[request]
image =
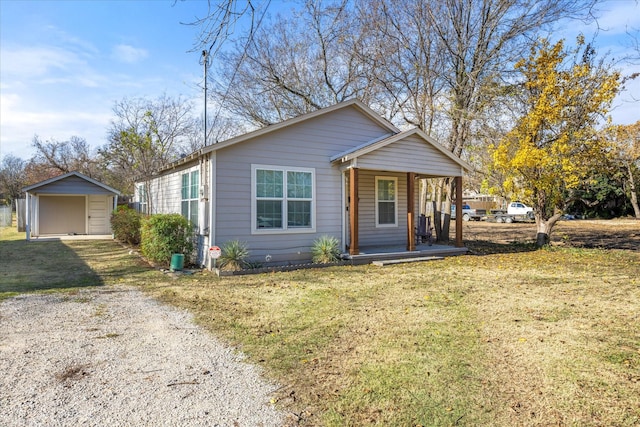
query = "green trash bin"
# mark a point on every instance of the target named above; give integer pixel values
(177, 262)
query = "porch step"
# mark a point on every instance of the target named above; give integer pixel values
(382, 263)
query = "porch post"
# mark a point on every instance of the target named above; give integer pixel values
(459, 212)
(27, 216)
(353, 211)
(411, 243)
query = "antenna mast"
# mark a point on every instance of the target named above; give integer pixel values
(206, 60)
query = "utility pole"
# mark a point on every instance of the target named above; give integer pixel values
(206, 60)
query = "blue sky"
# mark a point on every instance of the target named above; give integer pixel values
(63, 64)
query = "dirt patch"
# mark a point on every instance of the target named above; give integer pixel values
(605, 234)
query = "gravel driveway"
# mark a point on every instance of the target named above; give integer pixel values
(113, 356)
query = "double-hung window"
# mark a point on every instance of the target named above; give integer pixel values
(143, 199)
(283, 199)
(190, 198)
(386, 201)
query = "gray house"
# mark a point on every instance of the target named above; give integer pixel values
(67, 204)
(342, 171)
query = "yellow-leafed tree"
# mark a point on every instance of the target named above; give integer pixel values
(554, 145)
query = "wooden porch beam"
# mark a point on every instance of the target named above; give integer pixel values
(411, 242)
(459, 243)
(353, 212)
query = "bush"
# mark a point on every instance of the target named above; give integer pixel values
(125, 224)
(325, 250)
(164, 235)
(234, 256)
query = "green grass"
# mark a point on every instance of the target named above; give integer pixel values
(512, 336)
(61, 265)
(516, 338)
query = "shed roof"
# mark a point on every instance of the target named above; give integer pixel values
(50, 185)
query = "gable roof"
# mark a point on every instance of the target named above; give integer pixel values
(289, 122)
(375, 117)
(378, 143)
(69, 175)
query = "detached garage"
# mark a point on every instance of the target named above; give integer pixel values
(69, 204)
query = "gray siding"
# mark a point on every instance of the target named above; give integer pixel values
(308, 144)
(411, 154)
(370, 235)
(71, 185)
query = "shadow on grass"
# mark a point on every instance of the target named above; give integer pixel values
(485, 247)
(34, 266)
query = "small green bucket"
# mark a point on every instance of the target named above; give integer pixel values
(177, 262)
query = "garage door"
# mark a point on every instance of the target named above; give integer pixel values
(62, 214)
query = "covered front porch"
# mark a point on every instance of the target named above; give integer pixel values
(381, 182)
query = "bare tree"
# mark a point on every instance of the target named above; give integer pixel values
(464, 49)
(439, 65)
(12, 177)
(219, 22)
(146, 135)
(62, 157)
(295, 66)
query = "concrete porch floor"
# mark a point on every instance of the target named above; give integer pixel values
(369, 254)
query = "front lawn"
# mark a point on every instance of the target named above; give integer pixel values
(508, 336)
(519, 337)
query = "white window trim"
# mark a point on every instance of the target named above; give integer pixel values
(395, 201)
(191, 199)
(143, 199)
(284, 229)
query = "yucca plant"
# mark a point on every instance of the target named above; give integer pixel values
(325, 250)
(234, 256)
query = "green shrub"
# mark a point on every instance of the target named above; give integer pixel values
(164, 235)
(325, 250)
(234, 256)
(125, 224)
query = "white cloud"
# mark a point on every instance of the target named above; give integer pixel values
(618, 17)
(22, 119)
(36, 61)
(34, 65)
(128, 54)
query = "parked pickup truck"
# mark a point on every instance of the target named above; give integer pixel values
(516, 211)
(468, 213)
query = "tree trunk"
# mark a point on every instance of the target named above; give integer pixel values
(442, 210)
(544, 228)
(424, 196)
(634, 193)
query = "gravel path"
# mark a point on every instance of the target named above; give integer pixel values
(113, 356)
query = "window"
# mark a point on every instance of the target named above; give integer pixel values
(283, 199)
(190, 198)
(386, 202)
(142, 197)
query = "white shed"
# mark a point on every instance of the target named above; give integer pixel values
(69, 204)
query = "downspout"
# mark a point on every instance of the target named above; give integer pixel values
(343, 210)
(203, 237)
(212, 203)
